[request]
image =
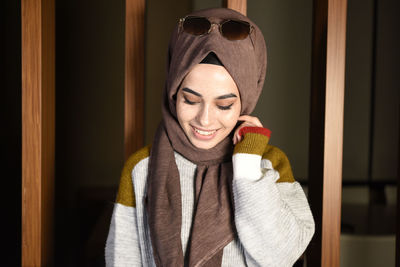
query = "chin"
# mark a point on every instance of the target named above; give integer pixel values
(203, 145)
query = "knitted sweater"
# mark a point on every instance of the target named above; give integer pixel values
(272, 216)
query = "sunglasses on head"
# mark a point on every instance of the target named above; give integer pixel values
(231, 29)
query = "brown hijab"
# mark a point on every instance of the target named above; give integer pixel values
(213, 226)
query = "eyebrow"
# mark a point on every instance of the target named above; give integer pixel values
(191, 91)
(197, 94)
(226, 96)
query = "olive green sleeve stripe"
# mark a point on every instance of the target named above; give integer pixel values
(280, 163)
(126, 194)
(252, 143)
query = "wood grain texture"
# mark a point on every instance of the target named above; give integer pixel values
(38, 130)
(326, 130)
(238, 5)
(134, 75)
(333, 152)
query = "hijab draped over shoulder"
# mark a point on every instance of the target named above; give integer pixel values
(213, 226)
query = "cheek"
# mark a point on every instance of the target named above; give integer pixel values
(184, 112)
(229, 119)
(180, 113)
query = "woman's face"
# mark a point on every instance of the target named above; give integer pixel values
(208, 105)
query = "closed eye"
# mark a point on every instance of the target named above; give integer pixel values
(187, 101)
(225, 107)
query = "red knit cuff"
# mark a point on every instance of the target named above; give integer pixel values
(259, 130)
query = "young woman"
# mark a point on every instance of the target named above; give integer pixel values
(210, 191)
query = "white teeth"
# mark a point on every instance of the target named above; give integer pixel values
(204, 132)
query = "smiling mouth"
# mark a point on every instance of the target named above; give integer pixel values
(204, 132)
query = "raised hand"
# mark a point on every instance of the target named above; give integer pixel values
(248, 121)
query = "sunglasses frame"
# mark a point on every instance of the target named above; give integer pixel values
(251, 27)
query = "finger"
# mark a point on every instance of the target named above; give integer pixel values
(236, 136)
(244, 118)
(254, 121)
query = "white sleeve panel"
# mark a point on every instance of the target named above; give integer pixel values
(246, 166)
(273, 220)
(122, 247)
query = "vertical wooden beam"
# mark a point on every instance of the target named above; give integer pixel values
(134, 75)
(38, 130)
(326, 129)
(238, 5)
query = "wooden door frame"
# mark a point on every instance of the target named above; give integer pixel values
(134, 75)
(38, 130)
(238, 5)
(326, 129)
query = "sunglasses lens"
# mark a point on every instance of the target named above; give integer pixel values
(196, 25)
(235, 30)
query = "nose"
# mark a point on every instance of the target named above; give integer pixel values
(205, 116)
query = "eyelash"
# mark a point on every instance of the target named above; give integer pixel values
(187, 101)
(225, 107)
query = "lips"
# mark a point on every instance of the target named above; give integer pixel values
(203, 134)
(206, 133)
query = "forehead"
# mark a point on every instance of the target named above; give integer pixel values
(210, 79)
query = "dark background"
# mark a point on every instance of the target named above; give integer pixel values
(10, 84)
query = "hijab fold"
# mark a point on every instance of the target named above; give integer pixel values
(213, 224)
